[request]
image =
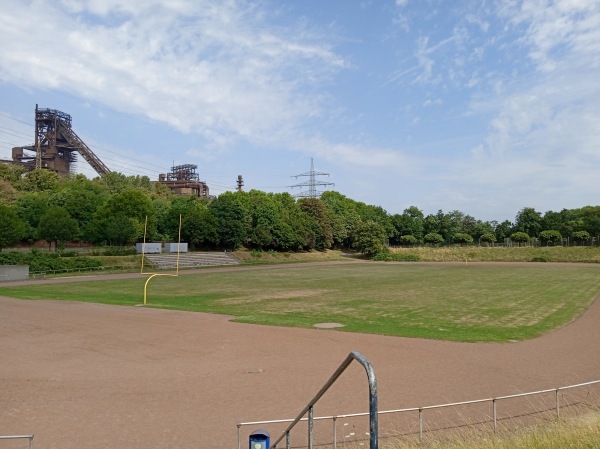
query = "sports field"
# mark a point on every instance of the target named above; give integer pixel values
(80, 374)
(471, 302)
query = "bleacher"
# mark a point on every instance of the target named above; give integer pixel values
(190, 260)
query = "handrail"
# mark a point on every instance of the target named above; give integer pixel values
(420, 409)
(18, 437)
(373, 425)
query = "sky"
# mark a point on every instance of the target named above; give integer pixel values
(485, 107)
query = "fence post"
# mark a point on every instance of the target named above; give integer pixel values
(494, 412)
(334, 432)
(557, 403)
(420, 424)
(311, 443)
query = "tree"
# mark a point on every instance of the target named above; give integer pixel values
(528, 221)
(232, 220)
(433, 238)
(30, 206)
(409, 223)
(488, 237)
(502, 230)
(11, 173)
(133, 210)
(56, 225)
(39, 180)
(343, 216)
(199, 227)
(550, 236)
(444, 224)
(80, 197)
(590, 217)
(463, 239)
(320, 233)
(369, 238)
(8, 194)
(12, 228)
(291, 230)
(581, 236)
(519, 237)
(119, 230)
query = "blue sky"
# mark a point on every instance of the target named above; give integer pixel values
(480, 106)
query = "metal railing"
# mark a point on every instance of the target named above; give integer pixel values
(494, 401)
(373, 427)
(18, 437)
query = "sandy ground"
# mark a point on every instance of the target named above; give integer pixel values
(95, 376)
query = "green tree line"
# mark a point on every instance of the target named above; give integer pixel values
(117, 210)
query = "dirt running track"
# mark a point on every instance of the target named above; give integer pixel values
(90, 376)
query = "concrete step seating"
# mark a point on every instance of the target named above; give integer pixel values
(190, 260)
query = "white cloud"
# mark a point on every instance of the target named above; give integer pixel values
(202, 66)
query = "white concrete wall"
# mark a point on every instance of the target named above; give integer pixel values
(14, 272)
(148, 248)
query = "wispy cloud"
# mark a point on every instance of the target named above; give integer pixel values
(202, 66)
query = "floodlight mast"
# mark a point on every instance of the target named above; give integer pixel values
(312, 183)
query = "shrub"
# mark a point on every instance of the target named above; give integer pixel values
(488, 237)
(120, 251)
(433, 238)
(408, 240)
(519, 237)
(550, 236)
(463, 239)
(581, 236)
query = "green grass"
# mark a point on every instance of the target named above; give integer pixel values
(460, 303)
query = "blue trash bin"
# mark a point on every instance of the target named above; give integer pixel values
(259, 439)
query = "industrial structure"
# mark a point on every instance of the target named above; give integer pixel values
(55, 146)
(312, 183)
(183, 180)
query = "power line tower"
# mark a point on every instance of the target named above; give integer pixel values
(312, 183)
(240, 183)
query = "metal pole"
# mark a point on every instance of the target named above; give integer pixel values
(238, 433)
(334, 432)
(557, 403)
(494, 412)
(311, 442)
(420, 424)
(287, 440)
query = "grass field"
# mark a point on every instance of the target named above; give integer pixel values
(460, 303)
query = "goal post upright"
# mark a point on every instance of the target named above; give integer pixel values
(152, 275)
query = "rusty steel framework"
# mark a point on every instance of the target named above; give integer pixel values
(183, 180)
(56, 145)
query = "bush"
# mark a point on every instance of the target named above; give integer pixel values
(581, 236)
(488, 237)
(120, 251)
(433, 239)
(463, 239)
(519, 237)
(38, 261)
(408, 240)
(550, 236)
